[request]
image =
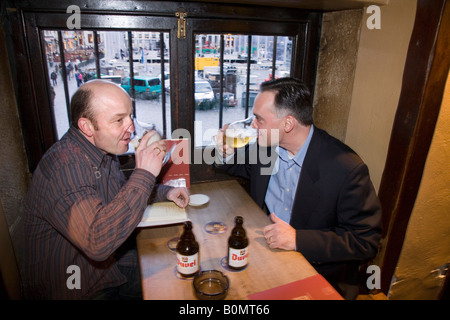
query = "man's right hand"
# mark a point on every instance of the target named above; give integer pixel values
(150, 157)
(221, 146)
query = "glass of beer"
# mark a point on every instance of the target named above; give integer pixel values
(140, 129)
(239, 133)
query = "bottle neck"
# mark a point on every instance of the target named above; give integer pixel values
(238, 232)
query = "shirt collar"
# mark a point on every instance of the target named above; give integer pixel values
(300, 156)
(92, 152)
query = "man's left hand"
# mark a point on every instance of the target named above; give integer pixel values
(280, 234)
(179, 195)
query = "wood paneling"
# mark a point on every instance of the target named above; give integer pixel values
(424, 79)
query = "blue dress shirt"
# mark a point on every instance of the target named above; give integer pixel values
(283, 184)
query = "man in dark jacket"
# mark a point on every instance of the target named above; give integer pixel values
(317, 190)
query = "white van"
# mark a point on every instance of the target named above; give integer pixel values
(166, 81)
(204, 95)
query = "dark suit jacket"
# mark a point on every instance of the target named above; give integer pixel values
(336, 211)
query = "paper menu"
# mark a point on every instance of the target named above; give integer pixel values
(311, 288)
(176, 171)
(162, 213)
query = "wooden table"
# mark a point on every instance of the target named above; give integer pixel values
(267, 268)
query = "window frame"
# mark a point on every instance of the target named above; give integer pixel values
(34, 96)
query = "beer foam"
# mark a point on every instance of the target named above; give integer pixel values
(136, 140)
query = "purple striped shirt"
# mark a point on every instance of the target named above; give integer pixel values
(78, 211)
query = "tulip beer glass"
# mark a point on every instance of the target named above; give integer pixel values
(239, 133)
(140, 129)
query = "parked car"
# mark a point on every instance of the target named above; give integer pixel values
(204, 95)
(251, 98)
(228, 99)
(145, 87)
(87, 76)
(166, 81)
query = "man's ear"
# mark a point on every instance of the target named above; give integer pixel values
(85, 125)
(289, 123)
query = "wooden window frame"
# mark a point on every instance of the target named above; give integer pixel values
(34, 95)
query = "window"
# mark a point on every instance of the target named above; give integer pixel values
(239, 59)
(110, 60)
(211, 73)
(154, 82)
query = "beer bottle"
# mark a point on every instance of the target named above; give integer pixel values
(238, 246)
(187, 252)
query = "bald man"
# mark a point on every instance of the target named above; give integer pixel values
(80, 211)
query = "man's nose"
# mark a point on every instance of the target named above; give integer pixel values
(131, 126)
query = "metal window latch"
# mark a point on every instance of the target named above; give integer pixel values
(181, 15)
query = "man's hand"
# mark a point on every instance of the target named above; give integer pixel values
(224, 149)
(280, 234)
(179, 195)
(150, 157)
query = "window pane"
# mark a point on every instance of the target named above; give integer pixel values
(244, 57)
(147, 78)
(54, 69)
(283, 60)
(75, 52)
(114, 65)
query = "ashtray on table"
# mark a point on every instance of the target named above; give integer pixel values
(211, 285)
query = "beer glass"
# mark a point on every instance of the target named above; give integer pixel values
(239, 133)
(140, 129)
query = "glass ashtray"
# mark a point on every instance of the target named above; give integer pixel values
(211, 285)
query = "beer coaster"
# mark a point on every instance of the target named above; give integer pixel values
(172, 244)
(224, 264)
(215, 227)
(198, 200)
